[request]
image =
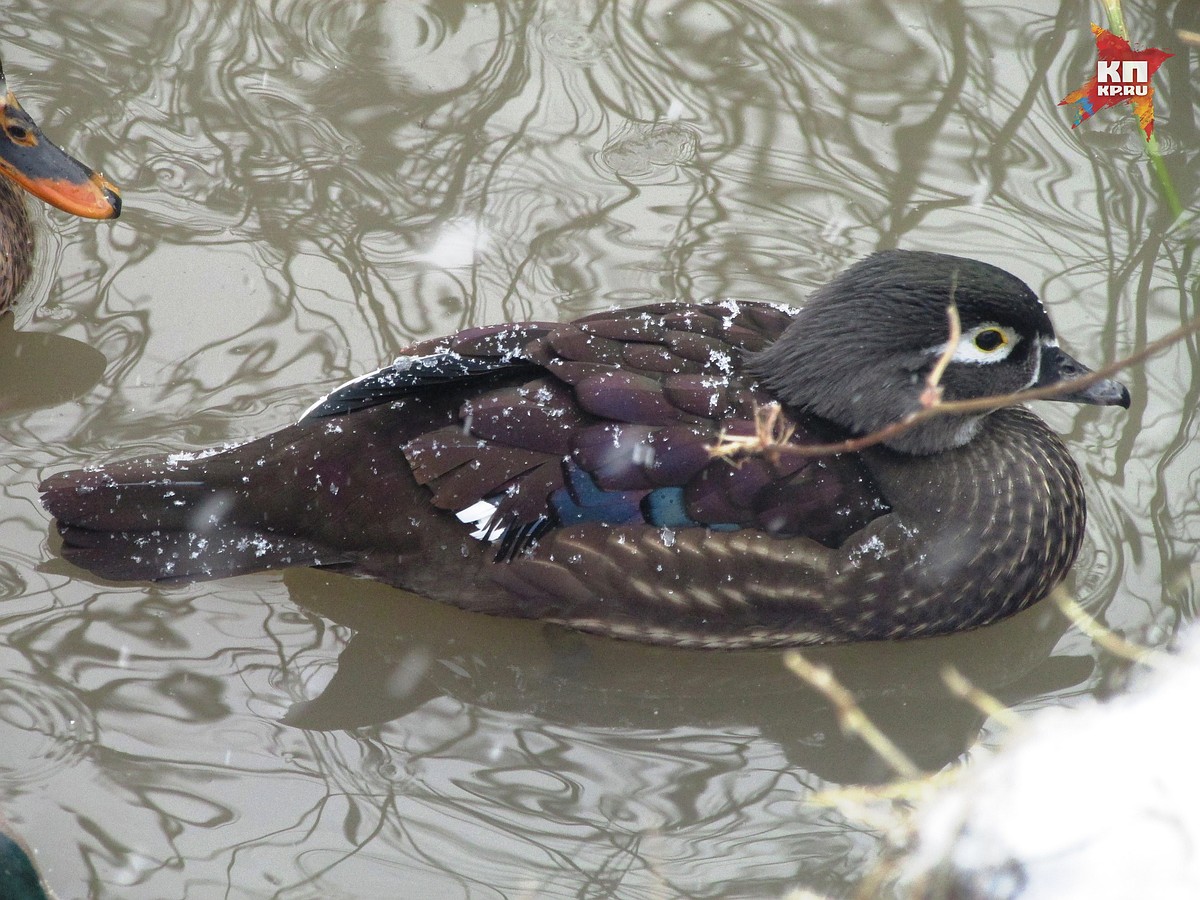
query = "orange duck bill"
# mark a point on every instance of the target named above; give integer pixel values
(41, 167)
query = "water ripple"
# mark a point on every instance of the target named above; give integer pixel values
(47, 729)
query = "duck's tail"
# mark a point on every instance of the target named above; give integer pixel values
(183, 517)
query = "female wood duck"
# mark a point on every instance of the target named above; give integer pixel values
(563, 472)
(31, 162)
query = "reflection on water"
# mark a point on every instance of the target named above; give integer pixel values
(309, 187)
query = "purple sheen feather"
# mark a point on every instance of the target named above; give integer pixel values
(653, 358)
(623, 326)
(626, 397)
(635, 457)
(679, 453)
(742, 483)
(700, 395)
(785, 465)
(745, 400)
(539, 351)
(771, 322)
(574, 373)
(706, 500)
(738, 316)
(739, 427)
(744, 339)
(185, 554)
(785, 510)
(693, 320)
(502, 341)
(613, 455)
(714, 353)
(539, 415)
(576, 344)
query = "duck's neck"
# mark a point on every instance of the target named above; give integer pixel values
(16, 243)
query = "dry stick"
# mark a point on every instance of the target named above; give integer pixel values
(962, 687)
(932, 395)
(850, 715)
(772, 431)
(979, 404)
(910, 790)
(1106, 638)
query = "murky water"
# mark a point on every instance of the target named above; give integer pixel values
(310, 186)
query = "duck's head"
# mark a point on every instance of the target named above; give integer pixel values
(33, 161)
(860, 350)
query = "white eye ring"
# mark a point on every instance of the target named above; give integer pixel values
(969, 351)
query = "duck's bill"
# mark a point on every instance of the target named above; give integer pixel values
(38, 165)
(1058, 367)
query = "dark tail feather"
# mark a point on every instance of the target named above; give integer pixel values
(158, 555)
(137, 496)
(161, 519)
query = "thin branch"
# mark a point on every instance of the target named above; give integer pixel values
(850, 715)
(772, 431)
(932, 395)
(978, 404)
(1105, 637)
(965, 689)
(911, 790)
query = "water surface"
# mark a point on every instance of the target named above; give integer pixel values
(311, 186)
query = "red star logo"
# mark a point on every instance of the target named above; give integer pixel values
(1122, 73)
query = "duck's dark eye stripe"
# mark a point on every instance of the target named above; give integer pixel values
(990, 339)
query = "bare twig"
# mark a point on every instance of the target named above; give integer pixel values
(899, 791)
(962, 687)
(932, 395)
(1105, 637)
(850, 715)
(978, 404)
(772, 431)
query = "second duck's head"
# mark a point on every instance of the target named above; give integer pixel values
(860, 350)
(45, 170)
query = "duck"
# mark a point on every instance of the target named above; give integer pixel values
(31, 163)
(565, 472)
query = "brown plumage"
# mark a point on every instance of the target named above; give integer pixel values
(31, 162)
(16, 243)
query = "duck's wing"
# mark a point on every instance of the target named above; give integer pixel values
(620, 428)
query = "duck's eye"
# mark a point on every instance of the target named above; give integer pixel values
(990, 339)
(19, 134)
